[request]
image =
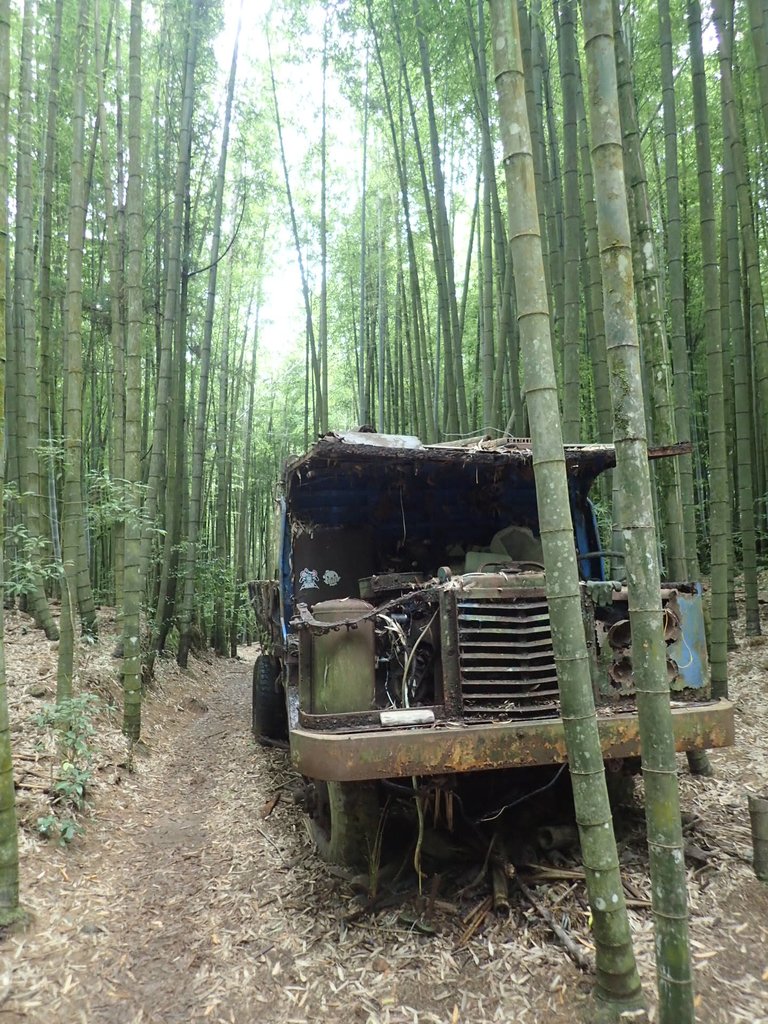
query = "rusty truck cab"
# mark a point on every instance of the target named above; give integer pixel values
(411, 626)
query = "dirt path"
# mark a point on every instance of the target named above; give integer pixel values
(184, 904)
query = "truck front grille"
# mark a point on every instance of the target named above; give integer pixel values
(506, 660)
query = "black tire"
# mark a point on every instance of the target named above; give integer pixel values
(269, 713)
(345, 822)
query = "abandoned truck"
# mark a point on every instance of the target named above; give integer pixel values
(407, 635)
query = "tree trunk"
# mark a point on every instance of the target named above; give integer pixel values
(758, 23)
(571, 225)
(735, 135)
(420, 363)
(157, 466)
(116, 298)
(652, 318)
(73, 519)
(176, 460)
(23, 404)
(220, 524)
(617, 978)
(680, 368)
(443, 231)
(594, 286)
(323, 325)
(719, 509)
(635, 517)
(550, 166)
(451, 419)
(362, 397)
(9, 842)
(382, 318)
(312, 357)
(743, 405)
(485, 280)
(241, 554)
(196, 479)
(133, 585)
(47, 396)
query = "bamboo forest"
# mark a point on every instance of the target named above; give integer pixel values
(384, 527)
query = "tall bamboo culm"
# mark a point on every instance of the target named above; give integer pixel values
(635, 519)
(9, 846)
(617, 983)
(133, 583)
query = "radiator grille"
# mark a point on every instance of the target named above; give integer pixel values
(506, 660)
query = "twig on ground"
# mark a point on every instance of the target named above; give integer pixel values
(271, 842)
(579, 958)
(473, 920)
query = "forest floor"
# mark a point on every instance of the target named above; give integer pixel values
(195, 895)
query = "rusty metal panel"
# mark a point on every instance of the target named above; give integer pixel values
(498, 584)
(359, 719)
(689, 650)
(305, 668)
(506, 659)
(343, 660)
(683, 623)
(448, 748)
(449, 644)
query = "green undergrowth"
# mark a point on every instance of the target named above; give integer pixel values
(68, 728)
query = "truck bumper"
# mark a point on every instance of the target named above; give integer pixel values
(449, 748)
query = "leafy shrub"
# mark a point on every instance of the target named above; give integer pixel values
(70, 724)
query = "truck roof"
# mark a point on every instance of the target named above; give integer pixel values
(366, 448)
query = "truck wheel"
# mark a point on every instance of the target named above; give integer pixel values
(269, 715)
(345, 821)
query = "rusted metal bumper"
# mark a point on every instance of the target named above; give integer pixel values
(448, 748)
